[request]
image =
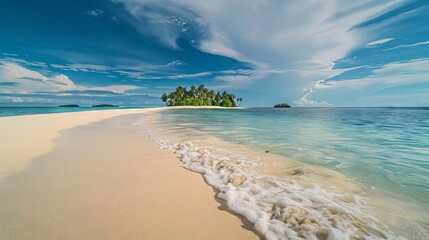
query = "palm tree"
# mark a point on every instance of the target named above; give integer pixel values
(180, 93)
(202, 92)
(193, 92)
(164, 97)
(218, 98)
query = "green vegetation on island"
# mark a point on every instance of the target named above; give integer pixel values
(199, 96)
(105, 105)
(69, 105)
(282, 105)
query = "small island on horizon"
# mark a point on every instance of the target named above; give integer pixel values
(76, 106)
(282, 105)
(199, 96)
(105, 105)
(69, 105)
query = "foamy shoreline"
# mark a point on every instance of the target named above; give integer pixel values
(283, 198)
(91, 175)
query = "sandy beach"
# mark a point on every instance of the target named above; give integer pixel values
(95, 175)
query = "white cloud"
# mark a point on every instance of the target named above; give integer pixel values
(126, 67)
(22, 61)
(10, 54)
(83, 67)
(408, 45)
(95, 13)
(305, 102)
(30, 81)
(391, 74)
(305, 37)
(13, 99)
(398, 79)
(378, 42)
(162, 21)
(177, 62)
(181, 76)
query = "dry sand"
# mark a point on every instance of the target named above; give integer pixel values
(63, 177)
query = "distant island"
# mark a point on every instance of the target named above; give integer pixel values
(105, 105)
(199, 96)
(69, 105)
(282, 105)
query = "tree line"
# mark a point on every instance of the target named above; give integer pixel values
(199, 96)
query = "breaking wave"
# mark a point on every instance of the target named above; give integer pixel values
(279, 208)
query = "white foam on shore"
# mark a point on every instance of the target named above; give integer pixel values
(278, 208)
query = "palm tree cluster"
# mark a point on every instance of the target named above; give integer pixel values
(199, 96)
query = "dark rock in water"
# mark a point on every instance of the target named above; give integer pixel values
(69, 105)
(282, 105)
(267, 151)
(105, 105)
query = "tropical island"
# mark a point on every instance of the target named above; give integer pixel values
(199, 96)
(69, 105)
(282, 105)
(105, 105)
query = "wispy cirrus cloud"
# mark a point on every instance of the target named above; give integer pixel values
(391, 74)
(408, 45)
(142, 76)
(282, 41)
(271, 34)
(95, 13)
(12, 99)
(10, 54)
(177, 62)
(378, 42)
(14, 58)
(131, 69)
(82, 67)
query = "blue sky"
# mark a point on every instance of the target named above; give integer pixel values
(128, 52)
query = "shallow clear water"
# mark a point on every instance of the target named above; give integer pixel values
(386, 149)
(17, 111)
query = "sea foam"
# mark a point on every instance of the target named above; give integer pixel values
(279, 208)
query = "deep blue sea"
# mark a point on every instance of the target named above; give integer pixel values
(384, 148)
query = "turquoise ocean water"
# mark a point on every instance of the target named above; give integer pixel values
(383, 148)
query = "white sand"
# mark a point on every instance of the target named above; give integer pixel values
(104, 180)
